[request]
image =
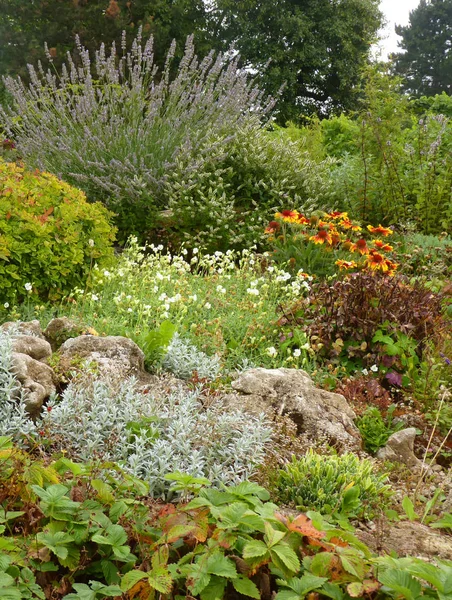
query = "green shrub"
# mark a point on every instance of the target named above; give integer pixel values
(182, 153)
(375, 430)
(50, 236)
(332, 484)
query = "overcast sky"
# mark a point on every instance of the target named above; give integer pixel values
(395, 11)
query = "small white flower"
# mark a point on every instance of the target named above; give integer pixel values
(6, 305)
(129, 310)
(162, 297)
(94, 298)
(28, 287)
(107, 273)
(252, 291)
(272, 351)
(365, 372)
(221, 289)
(207, 305)
(159, 276)
(297, 352)
(91, 243)
(374, 368)
(195, 250)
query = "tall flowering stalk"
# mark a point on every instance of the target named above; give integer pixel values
(117, 127)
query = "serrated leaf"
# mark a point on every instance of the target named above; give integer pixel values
(215, 589)
(246, 587)
(401, 582)
(254, 549)
(114, 536)
(287, 557)
(160, 579)
(131, 578)
(218, 564)
(110, 571)
(104, 491)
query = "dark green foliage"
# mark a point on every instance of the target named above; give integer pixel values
(316, 48)
(426, 64)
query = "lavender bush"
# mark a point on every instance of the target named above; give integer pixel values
(144, 141)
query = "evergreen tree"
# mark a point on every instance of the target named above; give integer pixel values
(426, 64)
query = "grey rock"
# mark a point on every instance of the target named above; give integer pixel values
(409, 538)
(316, 413)
(61, 329)
(112, 357)
(36, 347)
(24, 328)
(36, 380)
(400, 448)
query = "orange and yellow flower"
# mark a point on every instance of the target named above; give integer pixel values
(272, 227)
(346, 264)
(376, 261)
(347, 224)
(380, 230)
(338, 215)
(383, 246)
(360, 246)
(321, 237)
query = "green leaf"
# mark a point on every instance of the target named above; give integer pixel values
(246, 587)
(104, 491)
(115, 535)
(218, 564)
(401, 582)
(408, 507)
(56, 542)
(287, 557)
(254, 549)
(215, 589)
(273, 536)
(160, 579)
(131, 578)
(110, 571)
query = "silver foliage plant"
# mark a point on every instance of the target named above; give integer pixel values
(183, 358)
(171, 432)
(119, 126)
(14, 419)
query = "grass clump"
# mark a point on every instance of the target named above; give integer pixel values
(332, 484)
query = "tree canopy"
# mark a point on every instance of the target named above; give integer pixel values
(426, 63)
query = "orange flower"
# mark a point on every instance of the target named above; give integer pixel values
(338, 215)
(347, 224)
(272, 227)
(321, 237)
(383, 246)
(288, 216)
(377, 261)
(392, 266)
(380, 230)
(335, 238)
(360, 246)
(302, 220)
(346, 264)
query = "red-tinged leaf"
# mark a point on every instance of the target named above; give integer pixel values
(167, 509)
(8, 216)
(357, 589)
(304, 526)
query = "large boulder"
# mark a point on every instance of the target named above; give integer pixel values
(36, 380)
(61, 329)
(400, 448)
(24, 328)
(36, 347)
(316, 412)
(110, 357)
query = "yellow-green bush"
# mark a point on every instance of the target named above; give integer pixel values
(50, 236)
